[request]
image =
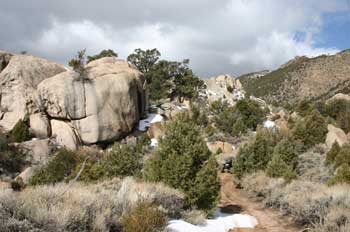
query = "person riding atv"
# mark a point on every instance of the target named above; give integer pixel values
(227, 166)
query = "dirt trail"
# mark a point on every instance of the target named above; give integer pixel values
(269, 220)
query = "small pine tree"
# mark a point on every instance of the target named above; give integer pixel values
(179, 158)
(312, 130)
(122, 160)
(277, 167)
(333, 152)
(78, 63)
(287, 150)
(207, 186)
(20, 132)
(343, 157)
(59, 168)
(239, 127)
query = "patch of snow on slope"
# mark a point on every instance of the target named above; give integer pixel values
(146, 123)
(269, 124)
(220, 224)
(154, 142)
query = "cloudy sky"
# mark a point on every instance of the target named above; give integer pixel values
(218, 36)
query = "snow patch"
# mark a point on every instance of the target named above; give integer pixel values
(220, 224)
(269, 124)
(146, 123)
(154, 142)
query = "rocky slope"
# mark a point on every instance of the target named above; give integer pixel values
(303, 78)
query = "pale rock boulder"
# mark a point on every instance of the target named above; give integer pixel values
(335, 134)
(100, 107)
(26, 174)
(339, 96)
(64, 134)
(40, 125)
(18, 83)
(37, 151)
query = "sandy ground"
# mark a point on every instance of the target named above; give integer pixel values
(269, 220)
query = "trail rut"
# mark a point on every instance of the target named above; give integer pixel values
(237, 200)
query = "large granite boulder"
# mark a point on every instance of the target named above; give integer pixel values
(19, 78)
(37, 151)
(103, 105)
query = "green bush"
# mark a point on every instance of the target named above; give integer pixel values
(199, 115)
(288, 151)
(343, 157)
(59, 168)
(122, 160)
(20, 132)
(255, 156)
(235, 120)
(103, 53)
(17, 184)
(332, 153)
(207, 186)
(342, 175)
(311, 130)
(180, 161)
(166, 78)
(77, 64)
(277, 167)
(229, 88)
(144, 217)
(12, 160)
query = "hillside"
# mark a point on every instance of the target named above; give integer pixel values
(303, 78)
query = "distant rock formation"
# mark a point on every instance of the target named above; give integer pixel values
(101, 106)
(224, 87)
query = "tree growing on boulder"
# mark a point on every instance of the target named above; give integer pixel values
(103, 53)
(77, 64)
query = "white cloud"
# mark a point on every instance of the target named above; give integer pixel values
(234, 36)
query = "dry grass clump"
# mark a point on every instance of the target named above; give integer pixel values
(325, 208)
(195, 217)
(260, 185)
(144, 217)
(84, 207)
(169, 199)
(312, 166)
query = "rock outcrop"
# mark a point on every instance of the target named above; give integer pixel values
(339, 96)
(224, 87)
(101, 106)
(335, 134)
(19, 79)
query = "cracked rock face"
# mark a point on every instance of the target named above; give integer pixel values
(100, 107)
(19, 78)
